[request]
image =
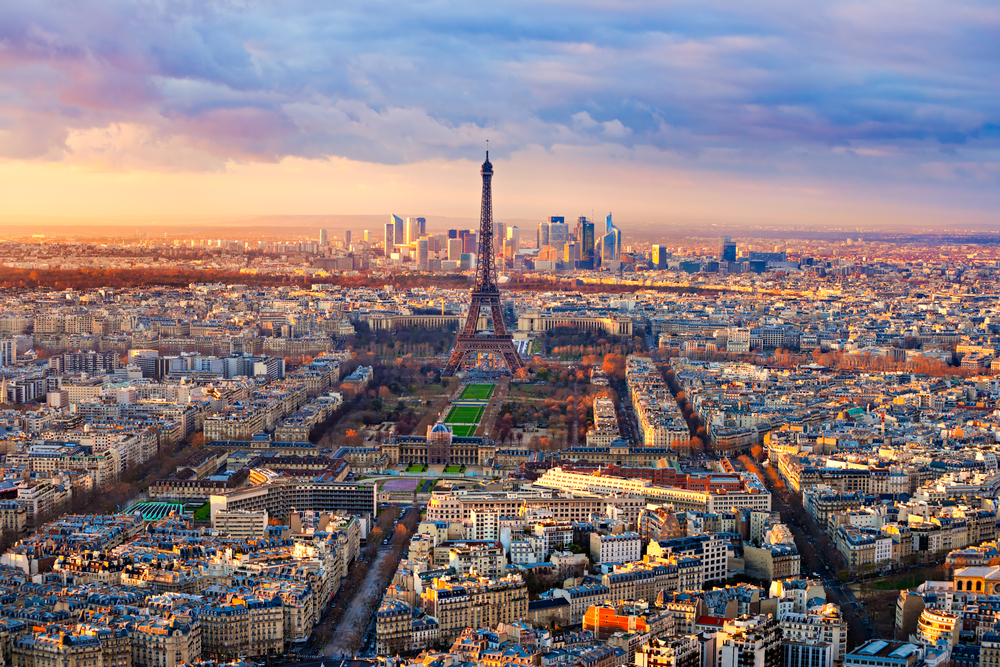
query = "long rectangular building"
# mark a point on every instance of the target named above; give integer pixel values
(445, 506)
(753, 494)
(279, 498)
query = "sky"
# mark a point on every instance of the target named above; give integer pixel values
(875, 113)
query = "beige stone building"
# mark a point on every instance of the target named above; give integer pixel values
(165, 642)
(242, 626)
(457, 603)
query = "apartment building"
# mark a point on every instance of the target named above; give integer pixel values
(711, 550)
(460, 602)
(242, 626)
(749, 641)
(683, 651)
(616, 548)
(165, 642)
(240, 523)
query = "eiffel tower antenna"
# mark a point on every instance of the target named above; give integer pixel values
(485, 295)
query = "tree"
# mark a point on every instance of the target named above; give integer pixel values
(614, 366)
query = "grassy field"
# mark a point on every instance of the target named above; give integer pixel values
(465, 414)
(464, 430)
(454, 469)
(202, 513)
(477, 392)
(417, 467)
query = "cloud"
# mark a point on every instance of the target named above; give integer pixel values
(767, 88)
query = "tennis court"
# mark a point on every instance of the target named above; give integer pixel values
(477, 392)
(464, 430)
(465, 414)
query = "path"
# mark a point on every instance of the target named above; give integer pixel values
(349, 635)
(359, 614)
(488, 420)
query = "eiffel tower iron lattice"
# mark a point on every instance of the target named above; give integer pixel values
(485, 296)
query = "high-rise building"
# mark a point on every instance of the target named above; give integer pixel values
(399, 237)
(422, 253)
(423, 225)
(390, 237)
(412, 231)
(660, 257)
(8, 355)
(469, 243)
(367, 239)
(499, 234)
(727, 250)
(455, 250)
(585, 237)
(558, 235)
(608, 248)
(323, 238)
(542, 235)
(571, 253)
(453, 233)
(347, 238)
(611, 229)
(514, 236)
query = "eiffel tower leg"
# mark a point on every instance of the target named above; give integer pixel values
(472, 320)
(499, 326)
(455, 362)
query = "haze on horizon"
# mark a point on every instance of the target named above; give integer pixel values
(852, 114)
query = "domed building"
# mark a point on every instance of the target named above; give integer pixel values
(439, 438)
(439, 447)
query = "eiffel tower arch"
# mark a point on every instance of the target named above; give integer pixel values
(485, 296)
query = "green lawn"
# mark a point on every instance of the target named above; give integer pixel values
(477, 392)
(417, 467)
(464, 430)
(465, 414)
(454, 469)
(202, 513)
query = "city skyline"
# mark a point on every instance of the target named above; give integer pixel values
(868, 116)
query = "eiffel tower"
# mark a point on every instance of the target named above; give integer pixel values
(485, 296)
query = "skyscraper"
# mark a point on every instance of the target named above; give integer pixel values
(514, 236)
(423, 225)
(347, 238)
(390, 237)
(542, 235)
(367, 239)
(727, 250)
(499, 234)
(323, 238)
(453, 233)
(412, 230)
(659, 257)
(608, 248)
(610, 243)
(585, 237)
(455, 250)
(558, 235)
(469, 243)
(399, 236)
(571, 253)
(422, 253)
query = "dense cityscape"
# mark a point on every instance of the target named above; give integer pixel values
(563, 447)
(523, 334)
